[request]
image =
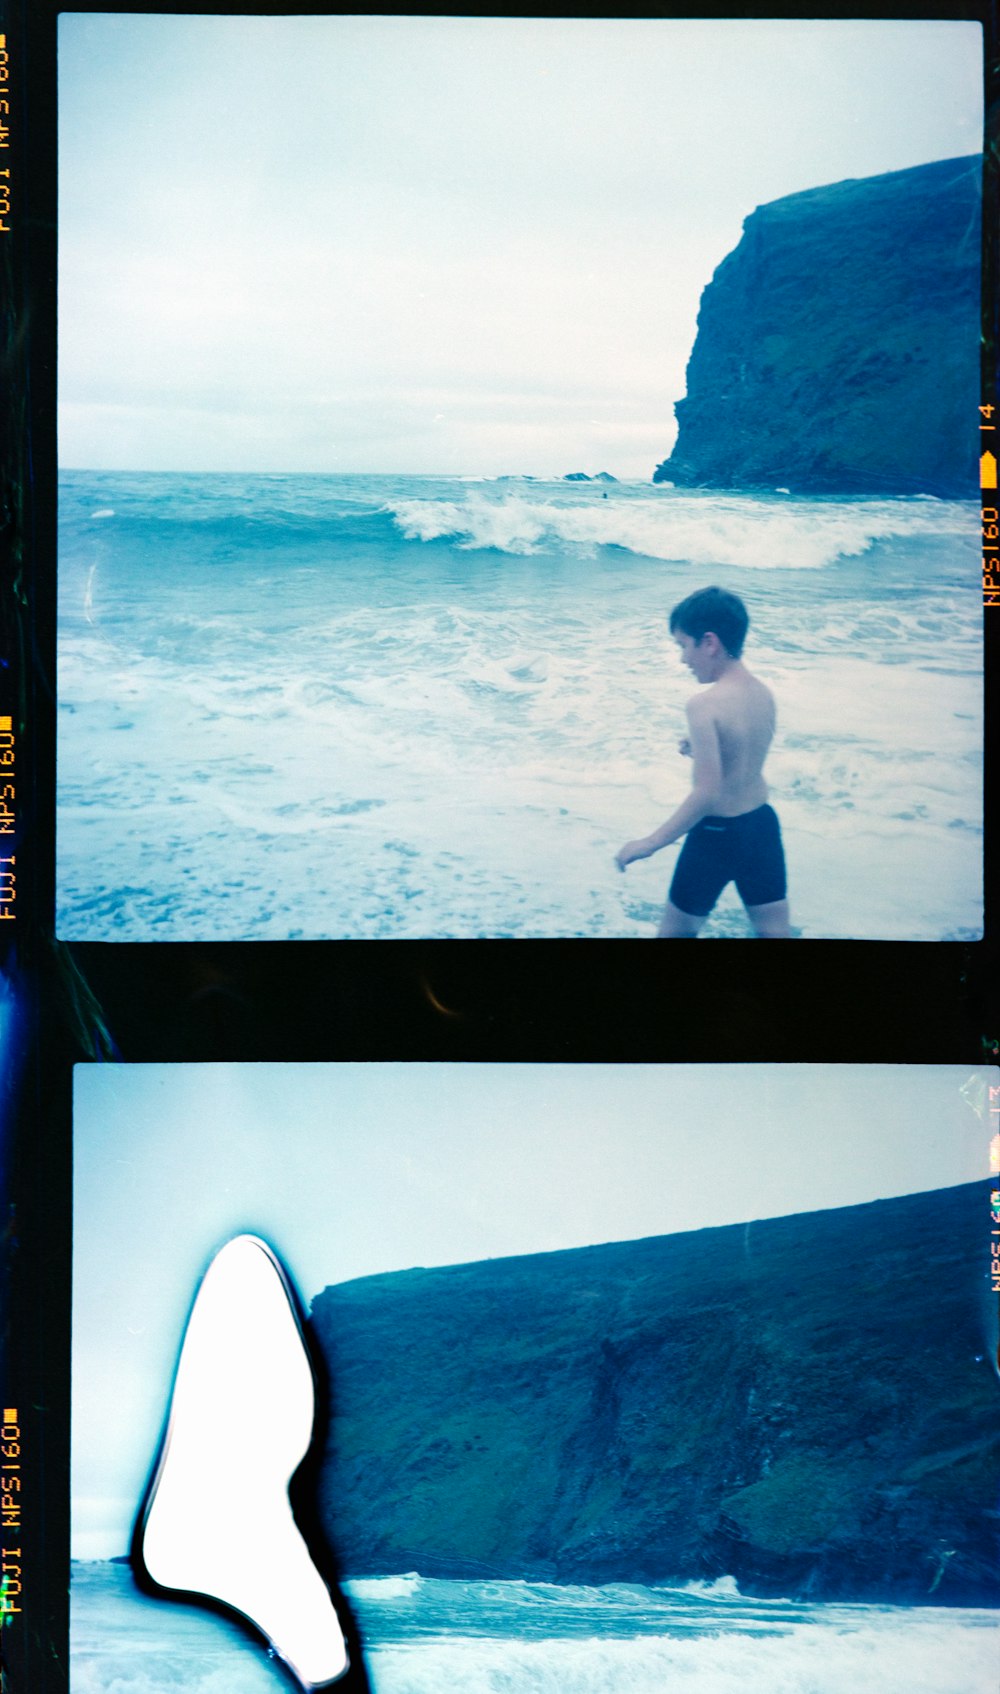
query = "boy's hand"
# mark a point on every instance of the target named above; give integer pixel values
(684, 747)
(631, 850)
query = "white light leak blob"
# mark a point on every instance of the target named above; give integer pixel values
(219, 1520)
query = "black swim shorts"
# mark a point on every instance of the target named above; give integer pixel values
(746, 850)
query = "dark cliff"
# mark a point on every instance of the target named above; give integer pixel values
(806, 1403)
(838, 345)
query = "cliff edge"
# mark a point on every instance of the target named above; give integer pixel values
(837, 349)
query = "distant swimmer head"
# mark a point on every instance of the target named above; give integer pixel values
(711, 612)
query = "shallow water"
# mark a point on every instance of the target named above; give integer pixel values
(397, 706)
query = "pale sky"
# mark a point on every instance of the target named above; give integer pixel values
(349, 1170)
(457, 245)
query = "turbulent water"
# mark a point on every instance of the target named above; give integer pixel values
(429, 1637)
(321, 707)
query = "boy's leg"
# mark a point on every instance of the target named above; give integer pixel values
(761, 876)
(771, 922)
(676, 925)
(700, 875)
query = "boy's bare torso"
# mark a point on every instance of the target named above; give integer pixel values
(743, 713)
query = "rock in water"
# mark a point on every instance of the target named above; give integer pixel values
(805, 1403)
(838, 345)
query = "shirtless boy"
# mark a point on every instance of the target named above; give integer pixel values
(732, 833)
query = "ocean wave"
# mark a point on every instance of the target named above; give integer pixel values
(702, 531)
(383, 1587)
(723, 1588)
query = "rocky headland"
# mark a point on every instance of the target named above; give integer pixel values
(808, 1404)
(837, 349)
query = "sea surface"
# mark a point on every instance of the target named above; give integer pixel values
(393, 706)
(432, 1637)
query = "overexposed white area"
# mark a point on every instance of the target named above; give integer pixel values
(219, 1521)
(239, 1425)
(351, 1170)
(435, 244)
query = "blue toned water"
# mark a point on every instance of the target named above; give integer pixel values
(431, 1637)
(319, 707)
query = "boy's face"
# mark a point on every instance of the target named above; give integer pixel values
(700, 655)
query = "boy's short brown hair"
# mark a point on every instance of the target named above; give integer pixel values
(713, 609)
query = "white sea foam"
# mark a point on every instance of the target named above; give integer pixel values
(383, 1587)
(940, 1658)
(754, 534)
(723, 1588)
(904, 1662)
(129, 1675)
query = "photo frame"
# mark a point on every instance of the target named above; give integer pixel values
(422, 1000)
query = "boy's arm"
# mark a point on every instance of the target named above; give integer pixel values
(706, 780)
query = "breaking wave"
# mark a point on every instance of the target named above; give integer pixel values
(699, 529)
(382, 1587)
